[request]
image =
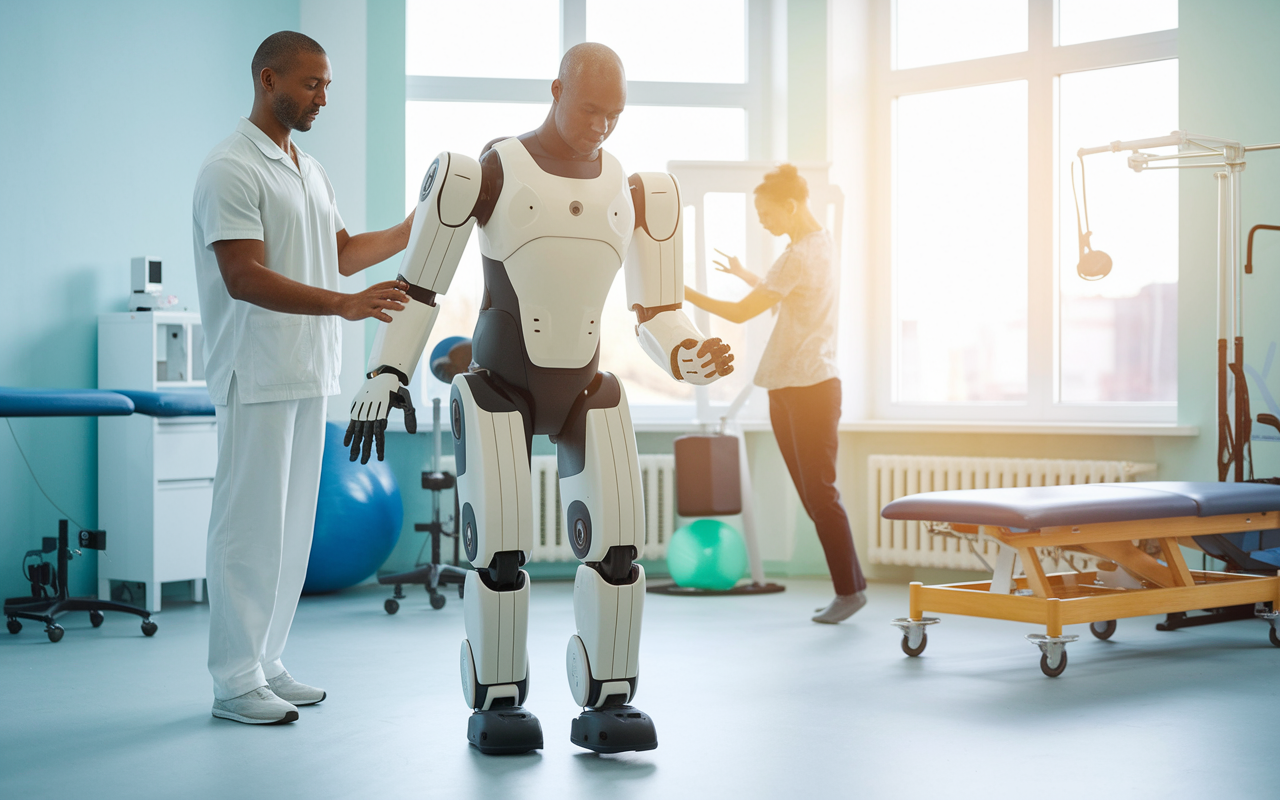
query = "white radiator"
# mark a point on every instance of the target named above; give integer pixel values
(911, 544)
(550, 542)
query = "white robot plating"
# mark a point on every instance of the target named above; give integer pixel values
(551, 246)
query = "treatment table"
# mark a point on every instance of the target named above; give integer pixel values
(1134, 529)
(23, 402)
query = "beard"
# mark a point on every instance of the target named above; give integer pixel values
(289, 113)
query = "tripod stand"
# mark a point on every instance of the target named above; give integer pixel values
(432, 574)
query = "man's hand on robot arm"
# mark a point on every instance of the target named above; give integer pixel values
(374, 301)
(380, 393)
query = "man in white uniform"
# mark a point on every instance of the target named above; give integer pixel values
(269, 246)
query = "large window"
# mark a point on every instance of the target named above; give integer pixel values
(692, 95)
(984, 105)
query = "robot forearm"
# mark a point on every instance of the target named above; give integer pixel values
(441, 225)
(655, 286)
(677, 346)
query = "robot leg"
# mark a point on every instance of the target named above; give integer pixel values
(600, 486)
(496, 518)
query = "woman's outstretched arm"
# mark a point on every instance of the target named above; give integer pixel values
(736, 311)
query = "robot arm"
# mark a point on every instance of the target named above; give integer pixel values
(441, 226)
(655, 286)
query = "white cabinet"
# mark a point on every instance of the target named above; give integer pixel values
(155, 474)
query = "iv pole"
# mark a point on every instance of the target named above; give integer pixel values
(1227, 156)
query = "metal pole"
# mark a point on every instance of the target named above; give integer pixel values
(1225, 453)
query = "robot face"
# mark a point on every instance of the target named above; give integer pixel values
(429, 180)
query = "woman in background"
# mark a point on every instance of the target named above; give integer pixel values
(799, 367)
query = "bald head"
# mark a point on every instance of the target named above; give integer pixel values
(590, 94)
(590, 58)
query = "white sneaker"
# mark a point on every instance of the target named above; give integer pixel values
(259, 707)
(300, 694)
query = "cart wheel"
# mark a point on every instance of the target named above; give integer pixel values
(55, 632)
(913, 652)
(15, 626)
(1053, 672)
(1271, 634)
(392, 605)
(149, 628)
(1103, 630)
(95, 618)
(437, 601)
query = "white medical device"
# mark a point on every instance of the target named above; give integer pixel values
(146, 284)
(551, 245)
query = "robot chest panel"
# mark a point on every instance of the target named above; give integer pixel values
(535, 204)
(561, 284)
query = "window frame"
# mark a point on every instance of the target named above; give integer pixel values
(1040, 66)
(758, 95)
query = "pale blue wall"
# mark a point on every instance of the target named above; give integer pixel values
(106, 111)
(1229, 67)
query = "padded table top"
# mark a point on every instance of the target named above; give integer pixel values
(172, 402)
(16, 402)
(1045, 506)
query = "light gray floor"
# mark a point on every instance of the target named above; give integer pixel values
(749, 697)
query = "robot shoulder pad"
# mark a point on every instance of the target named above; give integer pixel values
(451, 185)
(657, 200)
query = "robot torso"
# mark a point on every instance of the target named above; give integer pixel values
(560, 242)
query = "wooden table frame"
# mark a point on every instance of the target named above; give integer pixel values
(1076, 597)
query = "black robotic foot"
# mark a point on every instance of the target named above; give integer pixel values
(617, 729)
(504, 731)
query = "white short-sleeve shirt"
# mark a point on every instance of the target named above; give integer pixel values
(248, 188)
(802, 348)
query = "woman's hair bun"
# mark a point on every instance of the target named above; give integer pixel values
(784, 183)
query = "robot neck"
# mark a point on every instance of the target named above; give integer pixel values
(555, 165)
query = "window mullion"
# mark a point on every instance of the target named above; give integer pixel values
(573, 23)
(1041, 361)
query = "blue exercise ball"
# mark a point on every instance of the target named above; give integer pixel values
(707, 554)
(358, 518)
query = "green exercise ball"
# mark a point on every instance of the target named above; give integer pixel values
(707, 554)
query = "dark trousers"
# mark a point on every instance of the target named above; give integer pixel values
(805, 423)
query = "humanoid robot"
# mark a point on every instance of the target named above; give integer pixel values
(553, 234)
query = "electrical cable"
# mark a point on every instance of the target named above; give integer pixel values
(1094, 264)
(37, 480)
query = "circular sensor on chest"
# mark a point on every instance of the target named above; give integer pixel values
(575, 208)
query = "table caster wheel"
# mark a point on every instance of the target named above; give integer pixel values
(1103, 630)
(437, 601)
(55, 632)
(1053, 672)
(149, 628)
(392, 605)
(95, 618)
(15, 626)
(915, 651)
(1271, 634)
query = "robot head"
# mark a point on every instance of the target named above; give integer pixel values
(589, 96)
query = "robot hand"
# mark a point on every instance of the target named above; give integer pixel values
(702, 362)
(369, 411)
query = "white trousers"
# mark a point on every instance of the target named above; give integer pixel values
(264, 511)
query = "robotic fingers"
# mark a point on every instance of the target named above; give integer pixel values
(702, 362)
(369, 410)
(675, 344)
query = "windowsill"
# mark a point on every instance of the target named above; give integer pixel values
(925, 426)
(1032, 428)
